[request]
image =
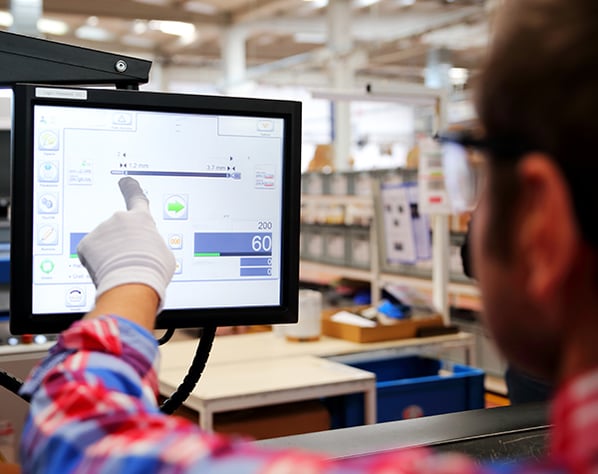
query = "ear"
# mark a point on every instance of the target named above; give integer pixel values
(547, 238)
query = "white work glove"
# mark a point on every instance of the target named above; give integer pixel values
(127, 247)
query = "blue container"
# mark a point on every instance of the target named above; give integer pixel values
(410, 387)
(4, 270)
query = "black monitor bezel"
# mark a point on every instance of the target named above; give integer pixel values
(22, 321)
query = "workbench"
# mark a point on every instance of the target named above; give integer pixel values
(261, 369)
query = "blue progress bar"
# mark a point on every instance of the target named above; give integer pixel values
(255, 271)
(76, 237)
(187, 174)
(232, 244)
(256, 262)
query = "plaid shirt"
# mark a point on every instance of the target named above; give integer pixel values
(94, 410)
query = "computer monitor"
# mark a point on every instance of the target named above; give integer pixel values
(4, 166)
(222, 176)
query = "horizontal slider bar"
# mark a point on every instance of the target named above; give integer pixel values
(184, 174)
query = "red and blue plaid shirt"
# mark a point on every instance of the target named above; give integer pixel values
(94, 410)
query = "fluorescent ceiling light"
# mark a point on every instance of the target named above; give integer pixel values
(186, 40)
(154, 2)
(317, 3)
(364, 3)
(93, 33)
(6, 19)
(178, 28)
(407, 2)
(200, 7)
(139, 27)
(137, 41)
(458, 75)
(52, 27)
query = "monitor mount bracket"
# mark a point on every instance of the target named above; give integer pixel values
(40, 61)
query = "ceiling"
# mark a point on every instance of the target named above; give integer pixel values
(388, 39)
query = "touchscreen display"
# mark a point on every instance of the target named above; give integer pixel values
(214, 187)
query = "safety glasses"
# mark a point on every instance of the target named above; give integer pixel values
(465, 161)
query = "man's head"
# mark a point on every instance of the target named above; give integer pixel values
(535, 236)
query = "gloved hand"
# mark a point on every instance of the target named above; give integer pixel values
(127, 247)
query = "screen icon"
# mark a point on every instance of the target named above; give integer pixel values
(264, 177)
(75, 297)
(48, 203)
(264, 125)
(48, 140)
(48, 172)
(47, 266)
(175, 241)
(47, 234)
(175, 206)
(122, 118)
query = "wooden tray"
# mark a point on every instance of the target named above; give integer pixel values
(403, 329)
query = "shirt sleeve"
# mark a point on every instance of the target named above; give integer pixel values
(94, 410)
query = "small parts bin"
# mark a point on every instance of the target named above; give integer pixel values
(411, 387)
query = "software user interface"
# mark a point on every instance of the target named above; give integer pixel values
(214, 187)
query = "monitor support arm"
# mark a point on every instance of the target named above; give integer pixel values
(40, 61)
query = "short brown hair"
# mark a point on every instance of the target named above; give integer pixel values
(539, 87)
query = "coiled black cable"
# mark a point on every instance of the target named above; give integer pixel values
(177, 398)
(166, 336)
(194, 373)
(12, 383)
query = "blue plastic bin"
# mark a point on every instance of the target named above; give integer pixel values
(410, 387)
(4, 270)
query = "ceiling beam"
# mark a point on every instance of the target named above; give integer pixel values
(373, 27)
(399, 55)
(260, 9)
(393, 70)
(379, 32)
(130, 10)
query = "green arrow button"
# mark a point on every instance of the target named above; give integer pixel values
(175, 206)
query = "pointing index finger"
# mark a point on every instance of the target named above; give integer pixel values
(133, 194)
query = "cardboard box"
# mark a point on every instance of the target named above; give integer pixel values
(403, 329)
(270, 421)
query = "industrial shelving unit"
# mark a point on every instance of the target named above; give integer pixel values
(462, 292)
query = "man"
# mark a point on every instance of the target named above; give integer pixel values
(521, 387)
(535, 252)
